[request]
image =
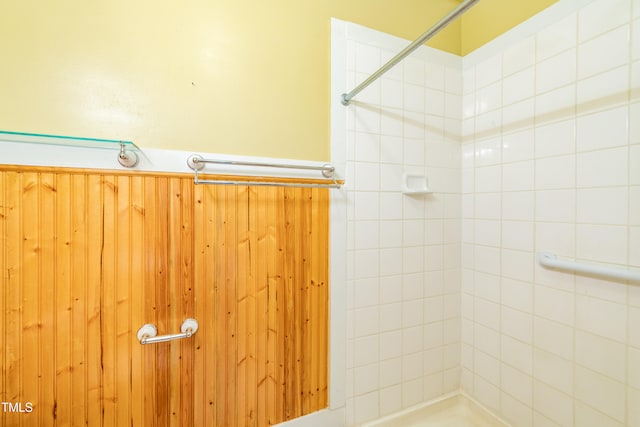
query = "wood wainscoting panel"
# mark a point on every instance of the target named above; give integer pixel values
(88, 257)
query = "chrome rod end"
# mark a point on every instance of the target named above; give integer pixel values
(328, 171)
(194, 162)
(344, 99)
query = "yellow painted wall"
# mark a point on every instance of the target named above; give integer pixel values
(244, 77)
(491, 18)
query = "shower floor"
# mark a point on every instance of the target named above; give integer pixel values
(457, 411)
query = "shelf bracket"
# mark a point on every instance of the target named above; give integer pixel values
(128, 159)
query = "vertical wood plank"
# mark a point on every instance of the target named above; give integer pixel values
(63, 301)
(219, 232)
(275, 314)
(315, 301)
(290, 322)
(48, 293)
(199, 256)
(122, 299)
(204, 378)
(45, 293)
(30, 265)
(321, 239)
(227, 314)
(252, 416)
(319, 281)
(108, 289)
(174, 308)
(162, 302)
(260, 213)
(13, 312)
(210, 288)
(137, 263)
(94, 293)
(149, 286)
(242, 267)
(307, 295)
(187, 348)
(281, 336)
(79, 212)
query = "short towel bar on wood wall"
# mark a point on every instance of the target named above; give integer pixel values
(147, 334)
(549, 260)
(329, 180)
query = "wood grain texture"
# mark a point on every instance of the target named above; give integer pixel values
(88, 257)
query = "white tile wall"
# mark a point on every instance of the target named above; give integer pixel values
(562, 179)
(534, 148)
(403, 315)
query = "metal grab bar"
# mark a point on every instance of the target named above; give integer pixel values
(549, 260)
(148, 333)
(440, 25)
(197, 163)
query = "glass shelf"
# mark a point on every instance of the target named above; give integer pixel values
(72, 141)
(126, 156)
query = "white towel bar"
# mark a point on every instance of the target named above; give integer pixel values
(549, 260)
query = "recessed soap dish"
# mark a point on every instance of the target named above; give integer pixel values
(415, 184)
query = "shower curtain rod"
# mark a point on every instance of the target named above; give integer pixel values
(440, 25)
